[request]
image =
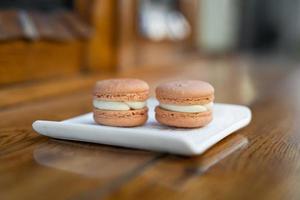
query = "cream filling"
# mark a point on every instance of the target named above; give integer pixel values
(116, 105)
(187, 108)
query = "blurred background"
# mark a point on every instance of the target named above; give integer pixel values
(46, 39)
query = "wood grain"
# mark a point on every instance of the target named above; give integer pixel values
(34, 173)
(35, 44)
(261, 161)
(266, 169)
(24, 61)
(101, 48)
(17, 94)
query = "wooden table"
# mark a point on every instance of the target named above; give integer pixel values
(261, 161)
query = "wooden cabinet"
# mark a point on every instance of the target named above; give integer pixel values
(94, 36)
(36, 45)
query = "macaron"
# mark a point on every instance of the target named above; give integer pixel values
(184, 103)
(121, 102)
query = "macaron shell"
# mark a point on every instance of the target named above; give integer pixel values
(121, 90)
(128, 118)
(182, 120)
(137, 96)
(185, 92)
(186, 101)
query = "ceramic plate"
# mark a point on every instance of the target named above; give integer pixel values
(152, 136)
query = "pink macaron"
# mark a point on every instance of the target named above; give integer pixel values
(121, 102)
(185, 103)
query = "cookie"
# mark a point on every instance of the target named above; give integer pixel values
(185, 103)
(121, 102)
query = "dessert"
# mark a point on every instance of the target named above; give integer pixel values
(121, 102)
(185, 103)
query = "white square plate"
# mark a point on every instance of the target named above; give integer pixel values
(152, 136)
